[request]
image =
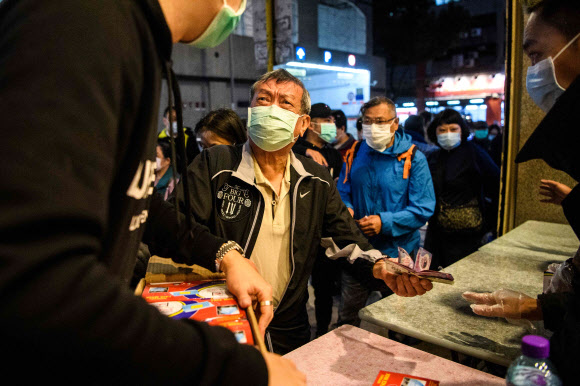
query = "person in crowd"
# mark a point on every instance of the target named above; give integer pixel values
(280, 207)
(75, 204)
(220, 127)
(359, 132)
(387, 187)
(344, 140)
(481, 134)
(496, 146)
(415, 128)
(552, 42)
(165, 177)
(427, 117)
(170, 129)
(466, 182)
(319, 136)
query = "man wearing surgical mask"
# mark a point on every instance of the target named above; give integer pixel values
(387, 187)
(281, 207)
(320, 134)
(76, 206)
(552, 43)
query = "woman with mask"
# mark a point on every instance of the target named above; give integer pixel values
(165, 177)
(220, 127)
(466, 182)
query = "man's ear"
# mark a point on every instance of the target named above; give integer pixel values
(305, 124)
(395, 124)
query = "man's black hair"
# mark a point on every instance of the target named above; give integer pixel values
(564, 15)
(339, 118)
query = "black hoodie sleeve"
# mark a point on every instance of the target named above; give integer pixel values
(167, 237)
(66, 315)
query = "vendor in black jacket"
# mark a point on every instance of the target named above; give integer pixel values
(280, 207)
(552, 41)
(80, 87)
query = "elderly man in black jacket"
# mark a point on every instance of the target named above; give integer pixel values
(280, 207)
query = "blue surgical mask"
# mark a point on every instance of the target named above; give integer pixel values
(271, 127)
(327, 132)
(491, 136)
(541, 81)
(220, 27)
(449, 141)
(481, 134)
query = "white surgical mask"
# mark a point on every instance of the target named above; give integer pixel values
(449, 141)
(541, 81)
(378, 137)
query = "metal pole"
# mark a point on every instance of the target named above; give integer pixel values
(270, 33)
(515, 22)
(232, 81)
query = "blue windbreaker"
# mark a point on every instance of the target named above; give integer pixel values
(376, 186)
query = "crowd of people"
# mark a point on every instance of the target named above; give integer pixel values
(288, 199)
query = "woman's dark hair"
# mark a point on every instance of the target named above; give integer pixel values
(446, 117)
(225, 123)
(339, 118)
(165, 146)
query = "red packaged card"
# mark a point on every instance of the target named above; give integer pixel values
(387, 378)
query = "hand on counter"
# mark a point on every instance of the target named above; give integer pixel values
(282, 371)
(370, 225)
(402, 285)
(504, 303)
(246, 284)
(555, 192)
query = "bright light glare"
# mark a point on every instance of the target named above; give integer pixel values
(453, 103)
(325, 67)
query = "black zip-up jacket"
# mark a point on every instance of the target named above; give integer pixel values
(224, 198)
(556, 141)
(79, 95)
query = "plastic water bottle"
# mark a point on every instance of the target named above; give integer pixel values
(533, 367)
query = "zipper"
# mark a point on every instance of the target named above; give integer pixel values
(254, 223)
(295, 194)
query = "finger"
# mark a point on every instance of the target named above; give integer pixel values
(402, 290)
(408, 286)
(415, 282)
(266, 312)
(479, 298)
(484, 310)
(426, 284)
(549, 182)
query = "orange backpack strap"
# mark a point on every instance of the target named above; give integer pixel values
(349, 157)
(407, 156)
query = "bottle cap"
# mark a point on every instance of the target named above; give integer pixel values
(535, 346)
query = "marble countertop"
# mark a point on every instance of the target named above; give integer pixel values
(514, 261)
(351, 356)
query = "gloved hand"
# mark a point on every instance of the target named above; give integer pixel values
(504, 303)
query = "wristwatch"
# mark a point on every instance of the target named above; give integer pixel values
(224, 249)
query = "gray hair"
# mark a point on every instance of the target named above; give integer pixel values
(281, 76)
(378, 101)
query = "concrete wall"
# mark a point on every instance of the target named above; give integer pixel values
(528, 206)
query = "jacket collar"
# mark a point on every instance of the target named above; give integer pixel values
(245, 169)
(556, 140)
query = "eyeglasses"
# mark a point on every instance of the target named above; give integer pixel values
(377, 121)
